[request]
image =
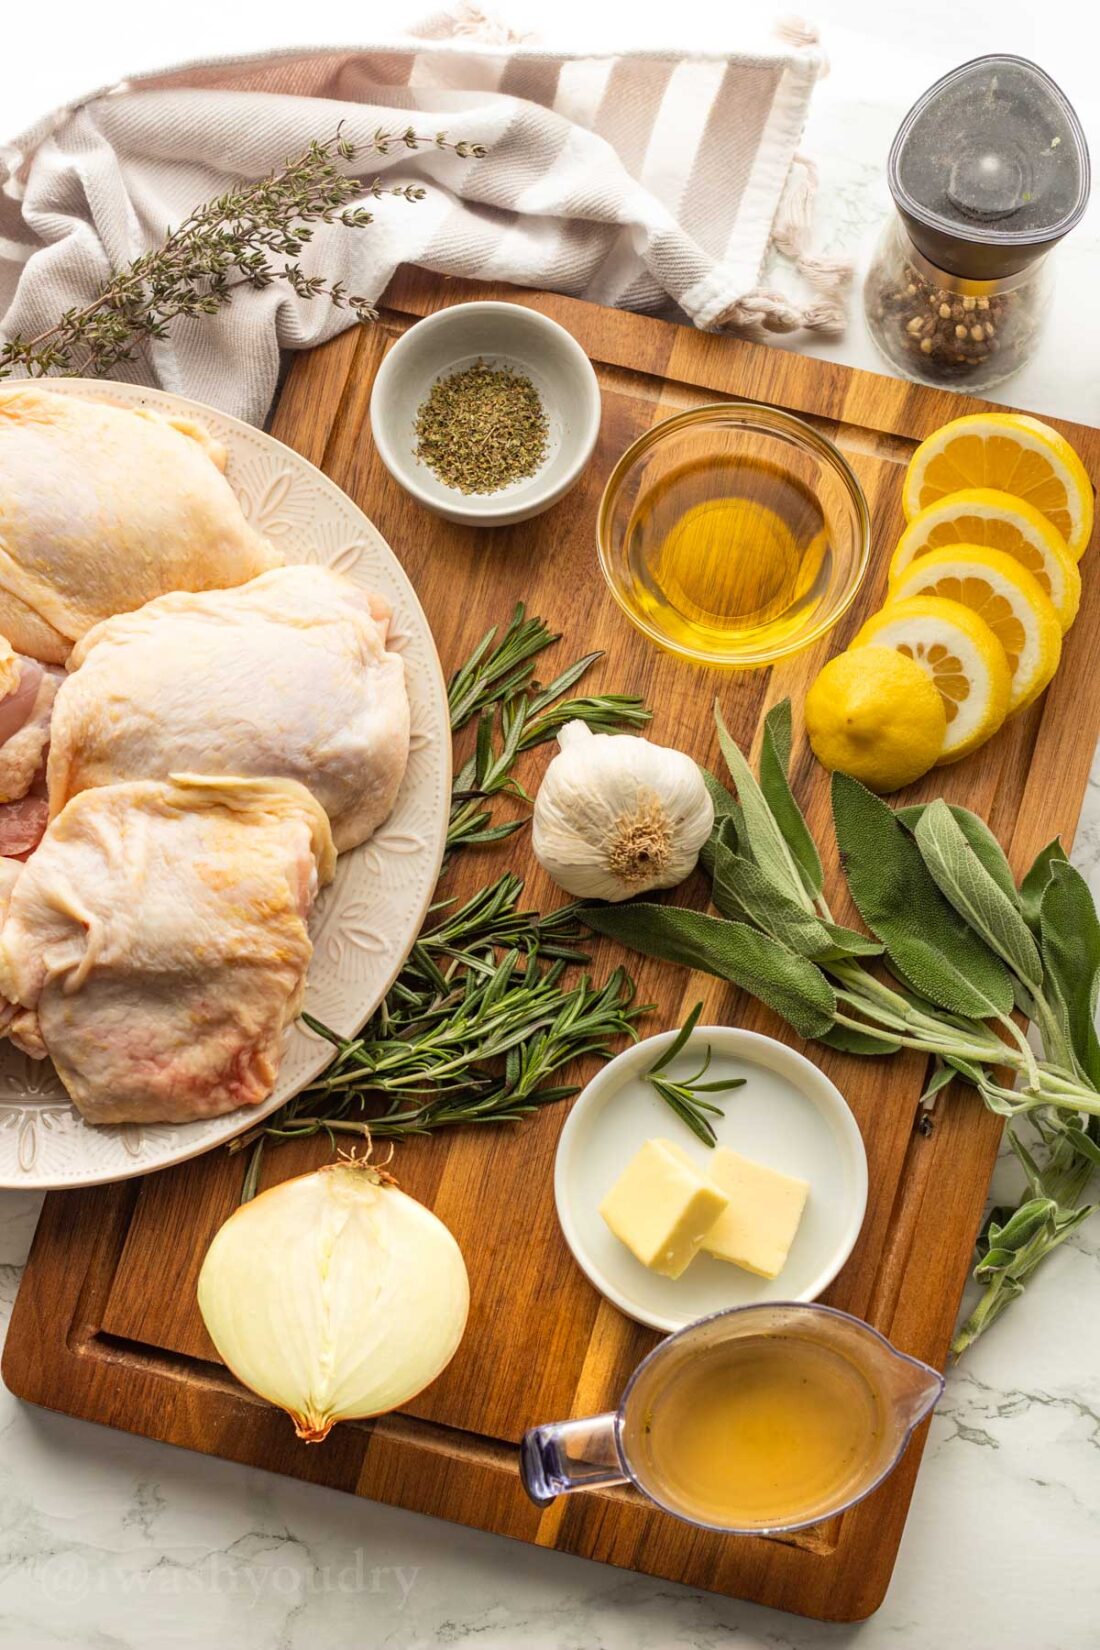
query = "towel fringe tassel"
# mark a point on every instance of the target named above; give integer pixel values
(830, 278)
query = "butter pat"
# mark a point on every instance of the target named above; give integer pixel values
(757, 1227)
(663, 1208)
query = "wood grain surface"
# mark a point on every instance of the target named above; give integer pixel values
(105, 1325)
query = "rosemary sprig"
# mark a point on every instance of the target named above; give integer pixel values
(476, 1024)
(479, 1019)
(682, 1094)
(252, 235)
(493, 674)
(514, 714)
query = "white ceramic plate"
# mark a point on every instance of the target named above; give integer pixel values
(364, 924)
(788, 1115)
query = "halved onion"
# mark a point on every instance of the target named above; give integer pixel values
(335, 1295)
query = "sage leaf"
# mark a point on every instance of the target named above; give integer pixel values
(849, 942)
(1083, 1143)
(965, 1068)
(981, 840)
(938, 1080)
(932, 949)
(1005, 1244)
(787, 983)
(762, 835)
(1069, 939)
(725, 808)
(857, 1042)
(742, 891)
(964, 881)
(775, 757)
(779, 731)
(1035, 881)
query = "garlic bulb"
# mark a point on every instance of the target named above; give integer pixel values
(335, 1296)
(616, 815)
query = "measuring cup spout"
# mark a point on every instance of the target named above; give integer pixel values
(913, 1389)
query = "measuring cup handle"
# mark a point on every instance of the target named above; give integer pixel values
(571, 1455)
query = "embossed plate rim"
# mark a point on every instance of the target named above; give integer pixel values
(104, 1154)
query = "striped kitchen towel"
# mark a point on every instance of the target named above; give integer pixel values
(655, 181)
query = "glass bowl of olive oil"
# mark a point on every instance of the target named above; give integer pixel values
(733, 534)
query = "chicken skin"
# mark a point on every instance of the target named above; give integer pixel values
(155, 948)
(101, 509)
(27, 691)
(287, 676)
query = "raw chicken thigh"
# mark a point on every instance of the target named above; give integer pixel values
(102, 508)
(27, 691)
(155, 945)
(287, 676)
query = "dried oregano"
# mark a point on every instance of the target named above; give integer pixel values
(482, 428)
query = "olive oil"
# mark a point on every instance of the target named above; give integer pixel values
(729, 551)
(764, 1430)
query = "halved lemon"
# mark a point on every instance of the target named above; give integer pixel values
(965, 660)
(997, 521)
(875, 714)
(1012, 453)
(1007, 597)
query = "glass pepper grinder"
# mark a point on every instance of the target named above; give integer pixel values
(989, 169)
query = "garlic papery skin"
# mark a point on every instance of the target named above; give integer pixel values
(616, 815)
(334, 1295)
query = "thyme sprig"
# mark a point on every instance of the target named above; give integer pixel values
(682, 1094)
(252, 235)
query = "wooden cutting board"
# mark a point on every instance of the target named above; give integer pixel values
(105, 1325)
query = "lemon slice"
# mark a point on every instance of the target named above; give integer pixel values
(1007, 597)
(997, 521)
(1013, 453)
(965, 660)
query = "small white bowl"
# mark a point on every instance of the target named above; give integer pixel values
(503, 335)
(788, 1115)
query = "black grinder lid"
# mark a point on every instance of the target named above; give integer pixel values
(990, 168)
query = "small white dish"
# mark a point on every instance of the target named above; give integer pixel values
(788, 1115)
(502, 335)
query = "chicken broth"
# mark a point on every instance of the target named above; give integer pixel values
(759, 1431)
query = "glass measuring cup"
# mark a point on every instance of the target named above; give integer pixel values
(634, 1444)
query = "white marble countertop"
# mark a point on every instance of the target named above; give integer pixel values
(111, 1541)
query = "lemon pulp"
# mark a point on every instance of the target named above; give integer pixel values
(963, 658)
(1003, 593)
(995, 520)
(1014, 453)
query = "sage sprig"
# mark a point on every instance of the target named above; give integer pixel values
(683, 1095)
(966, 948)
